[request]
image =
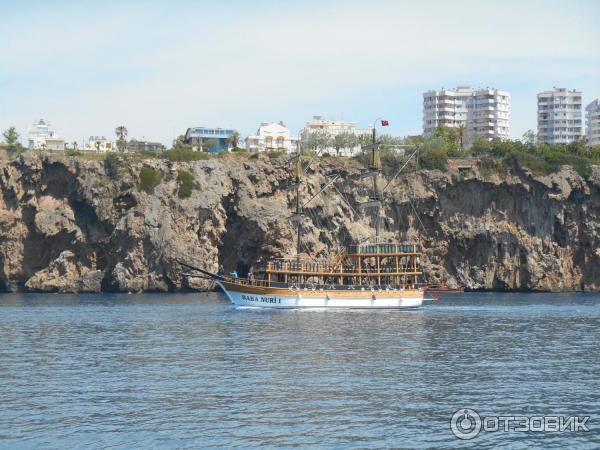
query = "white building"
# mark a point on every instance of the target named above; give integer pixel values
(41, 136)
(273, 136)
(592, 119)
(334, 128)
(559, 116)
(482, 112)
(99, 144)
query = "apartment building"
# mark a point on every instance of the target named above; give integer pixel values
(480, 112)
(592, 121)
(333, 128)
(559, 116)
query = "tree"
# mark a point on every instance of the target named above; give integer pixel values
(344, 140)
(209, 144)
(580, 147)
(451, 137)
(12, 139)
(317, 141)
(74, 143)
(121, 132)
(529, 138)
(181, 144)
(234, 139)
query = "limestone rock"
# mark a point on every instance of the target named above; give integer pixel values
(67, 226)
(65, 274)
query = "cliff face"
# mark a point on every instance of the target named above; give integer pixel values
(68, 225)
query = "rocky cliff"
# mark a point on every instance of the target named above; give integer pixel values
(71, 225)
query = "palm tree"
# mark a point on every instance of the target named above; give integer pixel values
(121, 132)
(461, 134)
(234, 139)
(74, 143)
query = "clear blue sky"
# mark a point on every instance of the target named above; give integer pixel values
(160, 67)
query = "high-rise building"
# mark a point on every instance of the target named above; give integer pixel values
(592, 120)
(333, 128)
(559, 116)
(480, 112)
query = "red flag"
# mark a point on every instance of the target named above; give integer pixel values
(384, 123)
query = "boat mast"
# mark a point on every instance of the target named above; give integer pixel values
(376, 168)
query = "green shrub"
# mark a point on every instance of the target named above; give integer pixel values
(434, 159)
(184, 154)
(187, 184)
(239, 150)
(489, 166)
(112, 165)
(71, 152)
(274, 155)
(550, 160)
(580, 164)
(537, 165)
(149, 179)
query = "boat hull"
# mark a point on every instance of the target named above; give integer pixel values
(290, 298)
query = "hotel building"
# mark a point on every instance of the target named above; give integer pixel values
(481, 112)
(592, 119)
(559, 116)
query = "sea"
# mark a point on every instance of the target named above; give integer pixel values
(474, 370)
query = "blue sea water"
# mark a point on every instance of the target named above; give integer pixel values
(191, 371)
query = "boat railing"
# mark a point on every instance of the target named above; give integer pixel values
(324, 268)
(321, 287)
(375, 249)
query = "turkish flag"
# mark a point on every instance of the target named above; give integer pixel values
(384, 123)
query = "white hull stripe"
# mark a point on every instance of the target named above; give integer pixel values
(297, 301)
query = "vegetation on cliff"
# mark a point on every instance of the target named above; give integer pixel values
(187, 184)
(149, 179)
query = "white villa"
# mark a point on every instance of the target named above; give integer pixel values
(333, 128)
(273, 136)
(99, 144)
(41, 136)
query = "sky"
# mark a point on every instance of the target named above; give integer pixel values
(160, 67)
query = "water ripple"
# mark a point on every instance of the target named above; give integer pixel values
(190, 371)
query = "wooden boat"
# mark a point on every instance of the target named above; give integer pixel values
(372, 275)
